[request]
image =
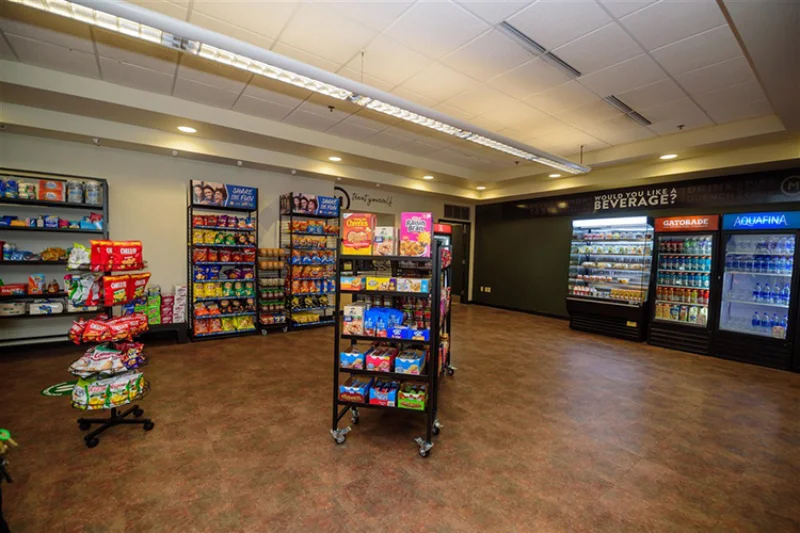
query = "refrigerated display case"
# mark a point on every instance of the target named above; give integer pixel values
(685, 266)
(758, 304)
(609, 276)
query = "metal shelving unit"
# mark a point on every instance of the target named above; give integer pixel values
(440, 326)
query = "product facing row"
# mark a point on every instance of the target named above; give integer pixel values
(382, 358)
(56, 191)
(381, 283)
(361, 236)
(388, 393)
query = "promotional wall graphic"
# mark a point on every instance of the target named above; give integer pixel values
(773, 221)
(310, 204)
(223, 195)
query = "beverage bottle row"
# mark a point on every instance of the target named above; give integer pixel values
(762, 264)
(692, 296)
(772, 295)
(772, 245)
(678, 262)
(692, 314)
(689, 245)
(684, 279)
(764, 324)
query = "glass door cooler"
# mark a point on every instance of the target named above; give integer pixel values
(609, 276)
(685, 248)
(757, 318)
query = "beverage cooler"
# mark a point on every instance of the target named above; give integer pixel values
(609, 276)
(685, 267)
(757, 318)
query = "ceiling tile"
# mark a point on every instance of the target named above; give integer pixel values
(717, 76)
(494, 12)
(553, 23)
(55, 57)
(668, 21)
(311, 121)
(276, 92)
(375, 14)
(418, 148)
(701, 50)
(138, 77)
(667, 118)
(350, 131)
(388, 60)
(390, 138)
(219, 26)
(620, 8)
(263, 18)
(320, 30)
(487, 56)
(319, 104)
(438, 83)
(210, 73)
(562, 98)
(411, 96)
(735, 103)
(543, 127)
(176, 9)
(305, 57)
(660, 92)
(261, 108)
(136, 52)
(356, 75)
(362, 120)
(515, 114)
(206, 94)
(43, 27)
(377, 119)
(531, 78)
(599, 49)
(5, 51)
(621, 130)
(624, 76)
(436, 28)
(451, 111)
(479, 100)
(596, 111)
(485, 122)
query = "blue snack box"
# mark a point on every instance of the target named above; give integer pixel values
(417, 334)
(355, 389)
(396, 332)
(410, 362)
(352, 359)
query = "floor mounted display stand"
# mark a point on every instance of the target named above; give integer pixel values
(272, 314)
(115, 418)
(440, 324)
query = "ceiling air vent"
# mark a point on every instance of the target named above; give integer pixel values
(537, 49)
(625, 108)
(456, 212)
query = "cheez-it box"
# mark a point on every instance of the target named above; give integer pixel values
(357, 233)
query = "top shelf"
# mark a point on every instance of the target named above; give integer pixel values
(52, 230)
(220, 208)
(49, 203)
(384, 258)
(309, 215)
(603, 241)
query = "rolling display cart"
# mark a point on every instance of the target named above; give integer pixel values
(412, 393)
(685, 268)
(271, 285)
(309, 227)
(35, 194)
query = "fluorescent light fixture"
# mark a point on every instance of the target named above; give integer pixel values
(117, 16)
(554, 176)
(427, 177)
(187, 129)
(668, 156)
(602, 222)
(334, 158)
(481, 188)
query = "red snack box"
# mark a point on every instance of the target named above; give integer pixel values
(13, 289)
(51, 190)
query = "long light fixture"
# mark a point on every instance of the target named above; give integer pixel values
(116, 16)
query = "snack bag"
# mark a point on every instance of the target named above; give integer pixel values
(200, 255)
(228, 324)
(115, 289)
(127, 255)
(79, 257)
(101, 256)
(415, 234)
(137, 284)
(96, 330)
(357, 233)
(75, 332)
(198, 220)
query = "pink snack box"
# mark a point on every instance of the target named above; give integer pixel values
(416, 234)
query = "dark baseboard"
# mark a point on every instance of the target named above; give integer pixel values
(526, 311)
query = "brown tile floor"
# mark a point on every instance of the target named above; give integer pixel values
(548, 430)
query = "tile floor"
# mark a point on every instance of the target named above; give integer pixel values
(545, 429)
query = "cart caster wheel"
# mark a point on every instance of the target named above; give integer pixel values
(285, 329)
(263, 333)
(354, 420)
(91, 443)
(424, 453)
(149, 425)
(450, 371)
(84, 425)
(340, 440)
(436, 430)
(138, 412)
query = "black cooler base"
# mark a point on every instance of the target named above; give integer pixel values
(612, 319)
(684, 338)
(762, 351)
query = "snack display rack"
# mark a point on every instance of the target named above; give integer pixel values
(309, 237)
(222, 271)
(271, 285)
(55, 200)
(415, 388)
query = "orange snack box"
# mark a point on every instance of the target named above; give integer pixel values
(358, 230)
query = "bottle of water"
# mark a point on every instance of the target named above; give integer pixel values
(781, 249)
(766, 293)
(786, 295)
(790, 246)
(756, 321)
(757, 292)
(789, 264)
(765, 323)
(772, 266)
(781, 268)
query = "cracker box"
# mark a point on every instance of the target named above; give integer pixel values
(413, 285)
(381, 359)
(357, 233)
(354, 318)
(415, 234)
(381, 284)
(412, 396)
(51, 190)
(355, 389)
(385, 241)
(410, 362)
(384, 393)
(352, 358)
(349, 283)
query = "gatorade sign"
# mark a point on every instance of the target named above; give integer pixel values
(690, 223)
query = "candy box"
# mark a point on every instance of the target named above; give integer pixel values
(413, 285)
(415, 234)
(381, 284)
(417, 334)
(352, 358)
(355, 389)
(412, 395)
(410, 362)
(357, 233)
(396, 332)
(36, 284)
(353, 322)
(13, 289)
(385, 241)
(51, 190)
(381, 359)
(384, 393)
(348, 283)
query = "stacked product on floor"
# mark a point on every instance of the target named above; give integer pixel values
(35, 210)
(108, 372)
(222, 260)
(271, 281)
(309, 227)
(397, 326)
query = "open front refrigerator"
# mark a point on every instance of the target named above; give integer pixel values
(685, 268)
(757, 319)
(609, 276)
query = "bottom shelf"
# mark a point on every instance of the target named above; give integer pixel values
(312, 324)
(224, 333)
(381, 407)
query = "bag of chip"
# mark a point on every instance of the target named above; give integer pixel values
(96, 330)
(249, 255)
(200, 327)
(115, 289)
(227, 324)
(212, 220)
(101, 256)
(212, 255)
(209, 236)
(236, 256)
(75, 332)
(79, 257)
(197, 236)
(127, 255)
(213, 271)
(225, 255)
(137, 285)
(198, 220)
(222, 221)
(200, 255)
(215, 325)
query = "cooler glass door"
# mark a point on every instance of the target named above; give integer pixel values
(757, 284)
(683, 279)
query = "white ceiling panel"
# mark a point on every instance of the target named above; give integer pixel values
(483, 121)
(403, 92)
(531, 78)
(115, 71)
(204, 93)
(717, 76)
(366, 120)
(219, 26)
(55, 57)
(515, 114)
(494, 12)
(5, 50)
(136, 52)
(356, 75)
(624, 76)
(177, 9)
(375, 14)
(390, 138)
(350, 131)
(599, 49)
(261, 108)
(276, 92)
(562, 98)
(319, 29)
(667, 118)
(735, 103)
(263, 18)
(479, 100)
(310, 121)
(553, 23)
(668, 21)
(620, 8)
(660, 92)
(388, 60)
(451, 111)
(319, 105)
(438, 83)
(306, 57)
(542, 127)
(210, 73)
(590, 113)
(621, 130)
(487, 56)
(701, 50)
(436, 28)
(418, 148)
(58, 31)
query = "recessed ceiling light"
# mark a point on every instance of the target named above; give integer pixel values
(668, 156)
(554, 176)
(334, 159)
(481, 188)
(187, 129)
(427, 177)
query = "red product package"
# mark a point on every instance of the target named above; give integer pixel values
(96, 331)
(137, 284)
(127, 255)
(115, 289)
(120, 331)
(101, 256)
(75, 333)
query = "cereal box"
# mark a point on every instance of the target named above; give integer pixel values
(357, 233)
(354, 318)
(385, 242)
(350, 283)
(413, 285)
(415, 234)
(381, 284)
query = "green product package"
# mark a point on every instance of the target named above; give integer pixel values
(154, 300)
(153, 315)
